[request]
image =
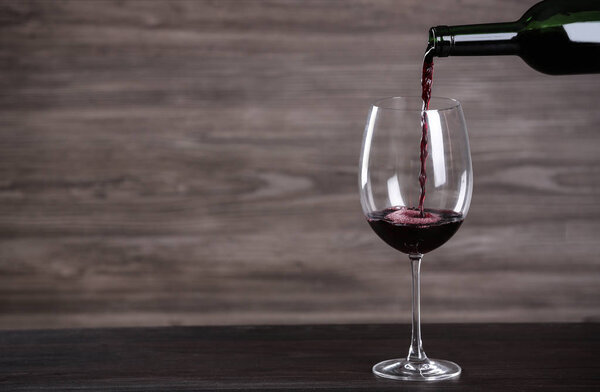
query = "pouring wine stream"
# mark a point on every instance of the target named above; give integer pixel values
(426, 83)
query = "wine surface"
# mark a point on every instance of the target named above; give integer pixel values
(407, 231)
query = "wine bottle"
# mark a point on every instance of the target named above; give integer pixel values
(556, 37)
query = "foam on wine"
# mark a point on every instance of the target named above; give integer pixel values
(411, 217)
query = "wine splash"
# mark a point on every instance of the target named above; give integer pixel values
(426, 83)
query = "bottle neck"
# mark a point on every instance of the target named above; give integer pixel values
(492, 39)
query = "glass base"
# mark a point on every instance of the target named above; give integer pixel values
(427, 370)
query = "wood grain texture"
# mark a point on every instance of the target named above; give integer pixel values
(194, 162)
(498, 357)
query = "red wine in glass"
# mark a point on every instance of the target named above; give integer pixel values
(405, 230)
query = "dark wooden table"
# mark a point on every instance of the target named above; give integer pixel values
(496, 357)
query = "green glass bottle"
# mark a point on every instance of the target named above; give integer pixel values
(555, 37)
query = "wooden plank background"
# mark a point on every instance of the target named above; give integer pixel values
(194, 162)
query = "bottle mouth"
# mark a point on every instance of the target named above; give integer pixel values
(440, 40)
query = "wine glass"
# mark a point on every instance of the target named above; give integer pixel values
(389, 172)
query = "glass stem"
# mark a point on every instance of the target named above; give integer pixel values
(416, 353)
